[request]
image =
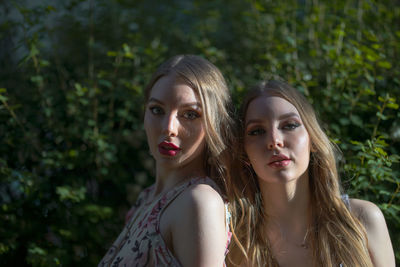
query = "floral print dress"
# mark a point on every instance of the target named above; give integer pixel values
(140, 243)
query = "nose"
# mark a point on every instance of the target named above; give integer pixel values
(274, 139)
(170, 125)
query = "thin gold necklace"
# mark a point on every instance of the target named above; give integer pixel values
(304, 244)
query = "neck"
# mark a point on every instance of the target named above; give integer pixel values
(287, 205)
(168, 177)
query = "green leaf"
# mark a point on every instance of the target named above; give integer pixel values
(73, 153)
(258, 6)
(3, 98)
(380, 151)
(69, 193)
(355, 142)
(392, 105)
(50, 8)
(34, 51)
(356, 120)
(385, 64)
(112, 54)
(65, 233)
(105, 83)
(4, 248)
(34, 249)
(381, 116)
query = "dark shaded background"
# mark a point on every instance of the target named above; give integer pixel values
(73, 154)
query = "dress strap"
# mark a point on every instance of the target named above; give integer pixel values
(168, 197)
(346, 201)
(228, 217)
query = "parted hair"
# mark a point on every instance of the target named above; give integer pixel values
(210, 86)
(336, 235)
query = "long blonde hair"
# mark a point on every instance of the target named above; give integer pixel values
(336, 236)
(210, 86)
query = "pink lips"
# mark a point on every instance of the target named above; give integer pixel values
(279, 161)
(168, 149)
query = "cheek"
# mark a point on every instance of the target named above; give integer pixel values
(194, 140)
(303, 143)
(250, 149)
(201, 134)
(194, 130)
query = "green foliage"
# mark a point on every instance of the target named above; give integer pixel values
(72, 73)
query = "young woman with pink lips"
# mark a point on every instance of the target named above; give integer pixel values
(289, 210)
(181, 220)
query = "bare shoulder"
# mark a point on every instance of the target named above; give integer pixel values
(198, 209)
(204, 191)
(198, 228)
(379, 244)
(201, 198)
(196, 204)
(367, 212)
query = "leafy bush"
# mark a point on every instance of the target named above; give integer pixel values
(73, 152)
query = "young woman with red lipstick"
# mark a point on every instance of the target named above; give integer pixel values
(181, 220)
(288, 208)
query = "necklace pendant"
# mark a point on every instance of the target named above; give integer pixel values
(304, 245)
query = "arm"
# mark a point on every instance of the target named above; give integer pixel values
(198, 233)
(379, 244)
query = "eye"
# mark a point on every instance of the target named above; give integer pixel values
(156, 110)
(255, 132)
(291, 125)
(191, 115)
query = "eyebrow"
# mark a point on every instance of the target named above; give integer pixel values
(190, 104)
(282, 117)
(288, 115)
(253, 121)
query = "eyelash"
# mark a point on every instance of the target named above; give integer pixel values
(288, 126)
(291, 126)
(255, 132)
(156, 110)
(190, 114)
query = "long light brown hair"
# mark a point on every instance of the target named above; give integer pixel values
(336, 236)
(210, 86)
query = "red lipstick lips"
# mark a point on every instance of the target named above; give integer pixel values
(168, 149)
(279, 161)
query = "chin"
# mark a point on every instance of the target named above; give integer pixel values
(280, 178)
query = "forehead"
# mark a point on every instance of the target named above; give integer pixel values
(269, 107)
(172, 90)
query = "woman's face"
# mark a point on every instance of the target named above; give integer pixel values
(174, 125)
(276, 141)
